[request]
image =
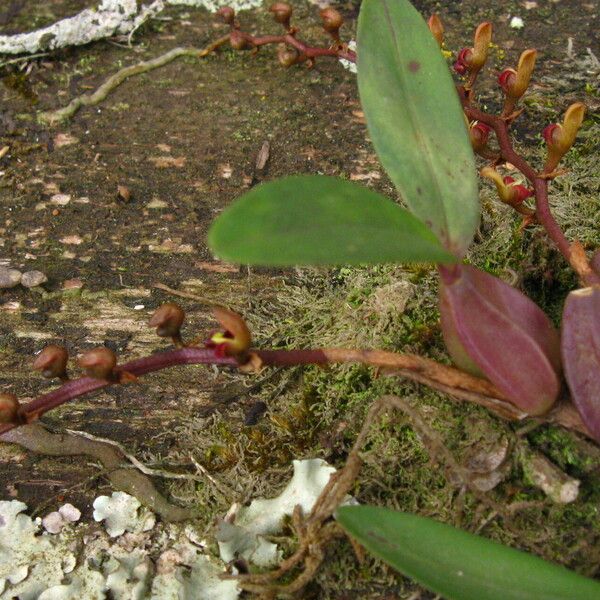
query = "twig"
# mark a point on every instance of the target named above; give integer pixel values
(56, 116)
(189, 295)
(21, 59)
(543, 214)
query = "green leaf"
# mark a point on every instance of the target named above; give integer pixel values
(317, 220)
(416, 121)
(459, 565)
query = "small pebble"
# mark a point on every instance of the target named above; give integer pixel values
(33, 278)
(9, 278)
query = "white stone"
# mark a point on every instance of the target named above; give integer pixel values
(9, 278)
(33, 279)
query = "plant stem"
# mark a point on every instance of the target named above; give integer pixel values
(441, 377)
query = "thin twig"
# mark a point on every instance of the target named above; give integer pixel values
(62, 114)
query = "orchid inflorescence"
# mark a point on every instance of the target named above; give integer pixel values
(290, 49)
(514, 83)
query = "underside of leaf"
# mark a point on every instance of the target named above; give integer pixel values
(488, 323)
(581, 353)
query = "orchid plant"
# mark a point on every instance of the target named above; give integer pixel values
(507, 353)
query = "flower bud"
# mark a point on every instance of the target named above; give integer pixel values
(332, 21)
(227, 14)
(509, 190)
(168, 319)
(515, 83)
(472, 60)
(9, 406)
(559, 138)
(481, 44)
(437, 29)
(236, 339)
(237, 40)
(282, 13)
(461, 66)
(99, 363)
(479, 134)
(52, 362)
(287, 56)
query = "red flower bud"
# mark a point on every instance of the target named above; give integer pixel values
(227, 14)
(506, 79)
(168, 319)
(99, 363)
(520, 192)
(9, 406)
(52, 362)
(548, 133)
(332, 21)
(479, 134)
(282, 13)
(287, 56)
(461, 66)
(560, 137)
(515, 82)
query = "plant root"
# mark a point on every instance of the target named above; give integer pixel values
(36, 438)
(54, 117)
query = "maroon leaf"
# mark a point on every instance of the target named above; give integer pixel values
(595, 262)
(491, 328)
(581, 353)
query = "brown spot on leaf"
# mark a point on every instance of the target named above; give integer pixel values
(414, 66)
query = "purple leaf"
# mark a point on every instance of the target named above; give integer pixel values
(581, 353)
(491, 328)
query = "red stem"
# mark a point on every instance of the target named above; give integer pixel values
(304, 49)
(416, 368)
(540, 188)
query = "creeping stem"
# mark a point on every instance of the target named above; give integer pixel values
(415, 368)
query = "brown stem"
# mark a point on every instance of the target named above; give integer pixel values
(446, 379)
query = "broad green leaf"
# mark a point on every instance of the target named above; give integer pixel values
(416, 121)
(460, 565)
(317, 220)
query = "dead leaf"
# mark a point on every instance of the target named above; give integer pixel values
(166, 162)
(225, 171)
(164, 147)
(263, 156)
(74, 240)
(64, 139)
(60, 199)
(123, 193)
(217, 267)
(365, 176)
(72, 284)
